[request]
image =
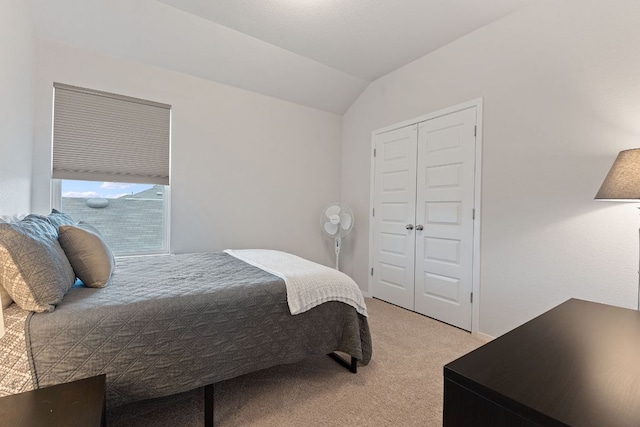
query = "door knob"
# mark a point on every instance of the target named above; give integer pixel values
(409, 227)
(419, 227)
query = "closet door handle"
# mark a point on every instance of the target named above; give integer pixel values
(419, 227)
(409, 227)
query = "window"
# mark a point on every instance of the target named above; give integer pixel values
(101, 139)
(131, 217)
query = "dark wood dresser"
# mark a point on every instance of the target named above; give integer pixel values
(577, 364)
(76, 404)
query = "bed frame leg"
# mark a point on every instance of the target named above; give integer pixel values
(208, 405)
(353, 366)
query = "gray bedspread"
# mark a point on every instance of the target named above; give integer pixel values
(168, 324)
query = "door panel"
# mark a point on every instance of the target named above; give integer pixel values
(445, 199)
(395, 198)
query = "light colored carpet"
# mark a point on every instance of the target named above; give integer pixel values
(401, 386)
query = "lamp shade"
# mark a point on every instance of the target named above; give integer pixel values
(623, 180)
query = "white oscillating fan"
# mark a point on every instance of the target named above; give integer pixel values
(336, 221)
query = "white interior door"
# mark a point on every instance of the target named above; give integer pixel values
(394, 214)
(444, 217)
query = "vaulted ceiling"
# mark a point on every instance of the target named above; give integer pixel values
(319, 53)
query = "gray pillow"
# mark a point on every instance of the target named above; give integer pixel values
(34, 270)
(58, 218)
(5, 299)
(88, 253)
(12, 219)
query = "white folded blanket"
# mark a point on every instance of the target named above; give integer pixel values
(308, 284)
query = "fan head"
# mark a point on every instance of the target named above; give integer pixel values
(336, 220)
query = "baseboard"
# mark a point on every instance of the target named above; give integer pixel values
(484, 337)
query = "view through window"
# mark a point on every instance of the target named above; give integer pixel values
(131, 217)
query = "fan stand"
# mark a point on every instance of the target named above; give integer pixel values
(338, 241)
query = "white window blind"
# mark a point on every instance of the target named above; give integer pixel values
(100, 136)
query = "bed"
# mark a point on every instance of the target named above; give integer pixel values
(171, 323)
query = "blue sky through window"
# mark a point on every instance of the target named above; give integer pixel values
(95, 189)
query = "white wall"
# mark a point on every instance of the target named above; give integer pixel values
(247, 170)
(16, 106)
(561, 87)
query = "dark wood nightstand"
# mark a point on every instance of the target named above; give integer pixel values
(79, 403)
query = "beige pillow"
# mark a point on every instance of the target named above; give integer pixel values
(34, 270)
(88, 253)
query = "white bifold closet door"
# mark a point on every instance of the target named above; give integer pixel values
(424, 186)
